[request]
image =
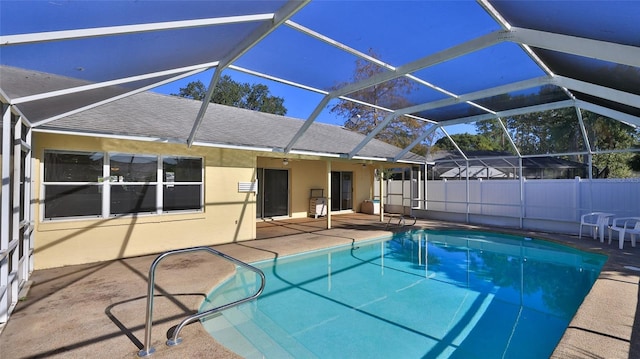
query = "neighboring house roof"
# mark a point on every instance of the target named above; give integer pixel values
(500, 159)
(150, 115)
(496, 164)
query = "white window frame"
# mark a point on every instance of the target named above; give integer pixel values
(106, 182)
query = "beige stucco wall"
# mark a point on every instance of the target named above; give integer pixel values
(362, 180)
(228, 215)
(311, 173)
(305, 173)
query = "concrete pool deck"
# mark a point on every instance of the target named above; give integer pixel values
(98, 309)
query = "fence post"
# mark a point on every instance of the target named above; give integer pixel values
(467, 190)
(578, 197)
(446, 202)
(522, 196)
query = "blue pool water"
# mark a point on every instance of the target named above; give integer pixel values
(421, 294)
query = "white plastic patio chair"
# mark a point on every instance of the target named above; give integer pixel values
(598, 221)
(623, 226)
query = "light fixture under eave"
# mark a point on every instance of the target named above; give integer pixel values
(285, 161)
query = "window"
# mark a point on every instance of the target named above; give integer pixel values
(133, 180)
(72, 184)
(103, 185)
(182, 187)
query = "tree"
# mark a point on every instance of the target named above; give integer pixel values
(606, 134)
(493, 132)
(558, 131)
(467, 142)
(634, 163)
(552, 131)
(402, 131)
(231, 93)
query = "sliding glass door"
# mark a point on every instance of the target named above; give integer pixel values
(341, 191)
(273, 193)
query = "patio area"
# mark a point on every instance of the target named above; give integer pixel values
(98, 309)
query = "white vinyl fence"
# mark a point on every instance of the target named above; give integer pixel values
(549, 205)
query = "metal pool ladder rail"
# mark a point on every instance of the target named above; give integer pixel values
(401, 220)
(175, 340)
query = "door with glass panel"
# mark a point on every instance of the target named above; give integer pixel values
(273, 193)
(341, 191)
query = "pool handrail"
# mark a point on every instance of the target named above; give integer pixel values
(175, 340)
(401, 219)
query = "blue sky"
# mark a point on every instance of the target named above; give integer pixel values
(398, 31)
(379, 25)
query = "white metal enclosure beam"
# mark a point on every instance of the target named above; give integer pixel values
(596, 90)
(5, 213)
(115, 98)
(613, 114)
(596, 49)
(599, 91)
(415, 143)
(388, 118)
(468, 98)
(508, 113)
(313, 89)
(277, 79)
(282, 15)
(434, 59)
(499, 90)
(361, 55)
(373, 60)
(337, 44)
(526, 48)
(455, 144)
(183, 71)
(38, 37)
(305, 126)
(451, 53)
(506, 133)
(505, 25)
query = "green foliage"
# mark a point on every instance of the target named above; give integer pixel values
(553, 131)
(231, 93)
(384, 174)
(558, 131)
(195, 90)
(605, 134)
(467, 142)
(493, 132)
(634, 163)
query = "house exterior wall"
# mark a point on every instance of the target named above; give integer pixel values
(304, 175)
(362, 180)
(311, 173)
(228, 215)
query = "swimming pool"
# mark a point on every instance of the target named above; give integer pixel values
(420, 294)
